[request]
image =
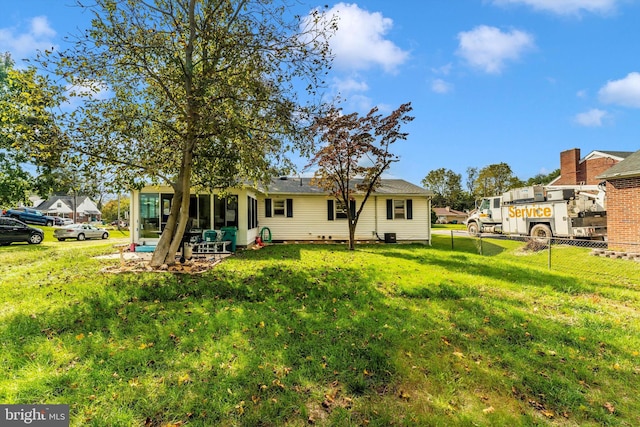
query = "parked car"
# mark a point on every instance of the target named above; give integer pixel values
(80, 232)
(12, 230)
(30, 216)
(58, 221)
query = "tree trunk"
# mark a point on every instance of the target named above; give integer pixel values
(352, 235)
(171, 237)
(161, 254)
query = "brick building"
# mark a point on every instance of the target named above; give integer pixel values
(576, 171)
(623, 204)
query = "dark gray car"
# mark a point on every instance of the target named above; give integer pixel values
(12, 230)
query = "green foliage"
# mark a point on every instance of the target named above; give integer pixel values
(213, 80)
(110, 209)
(495, 179)
(303, 334)
(191, 94)
(446, 185)
(28, 132)
(15, 182)
(543, 179)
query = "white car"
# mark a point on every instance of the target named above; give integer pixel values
(80, 232)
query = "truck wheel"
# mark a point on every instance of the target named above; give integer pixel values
(472, 228)
(49, 223)
(541, 232)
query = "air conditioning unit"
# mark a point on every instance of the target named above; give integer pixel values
(390, 237)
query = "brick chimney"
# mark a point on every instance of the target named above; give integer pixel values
(569, 163)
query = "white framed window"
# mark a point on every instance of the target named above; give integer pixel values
(279, 207)
(341, 210)
(398, 209)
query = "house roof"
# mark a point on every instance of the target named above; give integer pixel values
(618, 155)
(627, 168)
(448, 212)
(68, 201)
(298, 185)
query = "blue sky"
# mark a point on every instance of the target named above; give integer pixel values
(515, 81)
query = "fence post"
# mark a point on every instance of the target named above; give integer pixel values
(549, 260)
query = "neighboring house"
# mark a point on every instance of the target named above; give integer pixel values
(447, 215)
(577, 171)
(292, 209)
(35, 200)
(623, 204)
(62, 206)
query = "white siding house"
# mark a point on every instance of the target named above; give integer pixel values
(291, 209)
(63, 206)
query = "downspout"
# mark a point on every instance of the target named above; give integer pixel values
(429, 221)
(375, 210)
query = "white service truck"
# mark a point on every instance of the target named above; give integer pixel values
(543, 212)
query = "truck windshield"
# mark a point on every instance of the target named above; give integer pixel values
(484, 204)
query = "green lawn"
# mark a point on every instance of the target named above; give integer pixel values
(297, 335)
(459, 226)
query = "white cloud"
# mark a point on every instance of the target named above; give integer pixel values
(349, 85)
(38, 36)
(591, 118)
(359, 42)
(566, 7)
(440, 86)
(581, 93)
(444, 70)
(489, 48)
(360, 103)
(625, 92)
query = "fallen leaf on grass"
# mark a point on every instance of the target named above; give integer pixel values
(184, 379)
(609, 407)
(547, 413)
(489, 410)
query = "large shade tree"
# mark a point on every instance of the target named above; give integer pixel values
(192, 93)
(495, 179)
(354, 153)
(27, 129)
(446, 184)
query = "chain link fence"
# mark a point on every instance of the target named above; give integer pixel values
(598, 258)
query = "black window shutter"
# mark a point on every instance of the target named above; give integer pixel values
(352, 207)
(267, 208)
(409, 209)
(389, 209)
(289, 208)
(330, 210)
